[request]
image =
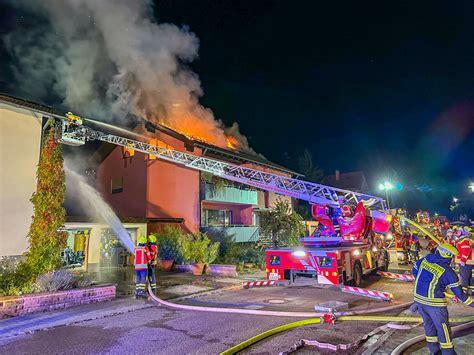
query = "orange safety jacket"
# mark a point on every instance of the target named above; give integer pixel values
(141, 258)
(153, 253)
(465, 251)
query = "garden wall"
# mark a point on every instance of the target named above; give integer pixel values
(48, 301)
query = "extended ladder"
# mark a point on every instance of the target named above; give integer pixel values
(313, 193)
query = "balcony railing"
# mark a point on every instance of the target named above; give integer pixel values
(230, 194)
(240, 233)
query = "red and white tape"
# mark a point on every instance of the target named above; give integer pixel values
(385, 296)
(250, 284)
(401, 277)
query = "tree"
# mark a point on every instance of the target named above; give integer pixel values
(45, 241)
(312, 173)
(306, 166)
(282, 224)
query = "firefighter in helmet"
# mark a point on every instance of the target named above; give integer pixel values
(141, 267)
(153, 253)
(464, 247)
(433, 276)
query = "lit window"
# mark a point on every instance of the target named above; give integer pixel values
(116, 185)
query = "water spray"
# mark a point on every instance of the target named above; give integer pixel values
(96, 203)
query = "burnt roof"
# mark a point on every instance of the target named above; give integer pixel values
(209, 150)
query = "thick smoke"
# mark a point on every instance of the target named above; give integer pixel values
(107, 59)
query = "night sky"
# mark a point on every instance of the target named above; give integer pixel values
(386, 87)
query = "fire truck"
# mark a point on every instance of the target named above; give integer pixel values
(342, 249)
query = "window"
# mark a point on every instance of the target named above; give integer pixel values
(116, 185)
(217, 218)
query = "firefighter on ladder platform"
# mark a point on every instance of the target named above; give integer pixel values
(463, 244)
(153, 253)
(433, 276)
(142, 258)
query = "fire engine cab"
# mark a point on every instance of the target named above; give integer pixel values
(341, 250)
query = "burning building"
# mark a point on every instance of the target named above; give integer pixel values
(146, 193)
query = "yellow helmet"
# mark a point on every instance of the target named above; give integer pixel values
(447, 250)
(152, 238)
(142, 239)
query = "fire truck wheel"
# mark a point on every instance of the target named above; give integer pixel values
(357, 278)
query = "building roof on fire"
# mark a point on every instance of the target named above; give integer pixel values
(103, 150)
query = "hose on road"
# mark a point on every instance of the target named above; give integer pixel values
(270, 313)
(288, 326)
(405, 345)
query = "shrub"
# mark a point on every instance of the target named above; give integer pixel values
(198, 248)
(55, 280)
(170, 244)
(82, 281)
(14, 277)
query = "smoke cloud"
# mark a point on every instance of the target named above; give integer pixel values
(110, 58)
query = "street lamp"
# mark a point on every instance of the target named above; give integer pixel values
(471, 187)
(386, 186)
(455, 200)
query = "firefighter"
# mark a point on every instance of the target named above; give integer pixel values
(153, 255)
(415, 247)
(463, 245)
(141, 267)
(433, 276)
(346, 210)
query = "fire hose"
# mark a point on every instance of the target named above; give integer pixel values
(331, 319)
(416, 225)
(316, 318)
(270, 313)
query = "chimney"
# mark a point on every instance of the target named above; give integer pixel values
(338, 175)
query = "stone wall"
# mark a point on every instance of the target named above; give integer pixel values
(48, 301)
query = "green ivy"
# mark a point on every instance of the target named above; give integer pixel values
(45, 241)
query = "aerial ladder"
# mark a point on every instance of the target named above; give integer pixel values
(74, 132)
(329, 256)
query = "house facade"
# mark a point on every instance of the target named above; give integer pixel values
(20, 144)
(140, 186)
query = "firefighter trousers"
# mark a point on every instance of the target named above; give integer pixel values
(437, 329)
(152, 277)
(140, 284)
(465, 275)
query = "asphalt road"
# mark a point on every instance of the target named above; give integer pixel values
(159, 330)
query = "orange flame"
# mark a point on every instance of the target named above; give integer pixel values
(232, 142)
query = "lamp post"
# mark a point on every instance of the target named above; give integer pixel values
(386, 186)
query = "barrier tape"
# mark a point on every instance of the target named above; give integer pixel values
(250, 284)
(402, 277)
(385, 296)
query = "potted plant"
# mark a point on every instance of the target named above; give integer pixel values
(201, 251)
(170, 248)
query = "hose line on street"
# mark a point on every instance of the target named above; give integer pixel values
(270, 313)
(284, 327)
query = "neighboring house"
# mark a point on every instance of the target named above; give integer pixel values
(353, 181)
(21, 125)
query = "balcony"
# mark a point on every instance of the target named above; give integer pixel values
(241, 233)
(229, 194)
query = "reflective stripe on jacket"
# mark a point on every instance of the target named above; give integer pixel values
(465, 251)
(141, 259)
(433, 276)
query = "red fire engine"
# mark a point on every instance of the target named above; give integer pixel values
(342, 250)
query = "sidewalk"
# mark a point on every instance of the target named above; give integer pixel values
(171, 286)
